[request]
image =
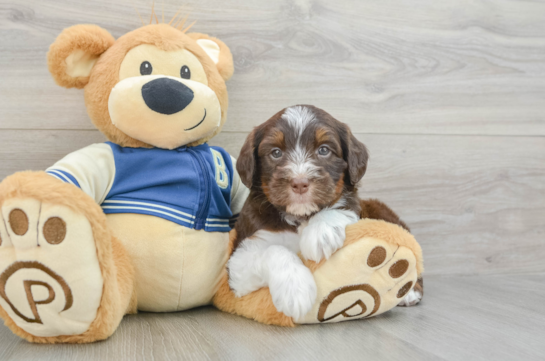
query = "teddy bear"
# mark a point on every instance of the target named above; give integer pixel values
(144, 221)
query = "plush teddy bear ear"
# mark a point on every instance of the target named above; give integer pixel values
(74, 53)
(217, 51)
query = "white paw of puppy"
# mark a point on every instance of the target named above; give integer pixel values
(291, 284)
(325, 233)
(411, 299)
(245, 269)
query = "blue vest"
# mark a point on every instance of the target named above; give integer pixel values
(190, 186)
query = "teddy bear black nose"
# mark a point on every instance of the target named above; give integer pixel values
(166, 96)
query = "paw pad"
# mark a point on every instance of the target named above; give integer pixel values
(376, 257)
(54, 230)
(18, 221)
(399, 268)
(382, 276)
(48, 261)
(403, 290)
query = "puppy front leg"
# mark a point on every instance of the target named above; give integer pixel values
(325, 233)
(246, 267)
(270, 259)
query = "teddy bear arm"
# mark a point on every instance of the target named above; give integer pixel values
(92, 169)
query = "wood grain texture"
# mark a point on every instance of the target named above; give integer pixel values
(461, 318)
(449, 98)
(476, 204)
(461, 67)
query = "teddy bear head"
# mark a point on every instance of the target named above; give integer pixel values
(156, 86)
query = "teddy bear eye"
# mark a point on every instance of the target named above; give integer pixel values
(185, 72)
(146, 68)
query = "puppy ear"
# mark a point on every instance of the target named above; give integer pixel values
(217, 51)
(356, 156)
(246, 162)
(74, 53)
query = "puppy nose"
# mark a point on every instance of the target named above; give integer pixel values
(299, 185)
(166, 96)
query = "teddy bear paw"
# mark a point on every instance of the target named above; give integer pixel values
(363, 279)
(50, 279)
(414, 296)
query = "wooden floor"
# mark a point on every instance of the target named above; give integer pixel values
(461, 318)
(449, 96)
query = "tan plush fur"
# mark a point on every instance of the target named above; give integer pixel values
(388, 232)
(90, 38)
(119, 296)
(105, 73)
(257, 305)
(225, 63)
(117, 270)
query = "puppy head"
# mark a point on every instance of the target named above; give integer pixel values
(302, 159)
(155, 86)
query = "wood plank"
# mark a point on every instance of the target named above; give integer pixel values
(38, 149)
(465, 67)
(449, 99)
(475, 203)
(461, 318)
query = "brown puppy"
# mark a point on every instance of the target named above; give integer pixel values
(302, 167)
(299, 162)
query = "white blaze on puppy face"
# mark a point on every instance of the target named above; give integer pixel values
(299, 117)
(300, 163)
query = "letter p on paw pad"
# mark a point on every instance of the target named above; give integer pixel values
(50, 278)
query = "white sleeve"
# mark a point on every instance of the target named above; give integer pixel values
(239, 192)
(92, 169)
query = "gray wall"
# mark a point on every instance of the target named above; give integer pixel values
(448, 96)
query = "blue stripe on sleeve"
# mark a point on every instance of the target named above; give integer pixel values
(64, 176)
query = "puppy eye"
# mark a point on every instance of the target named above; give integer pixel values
(276, 153)
(146, 68)
(323, 150)
(185, 72)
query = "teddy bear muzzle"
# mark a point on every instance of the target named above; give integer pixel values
(164, 111)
